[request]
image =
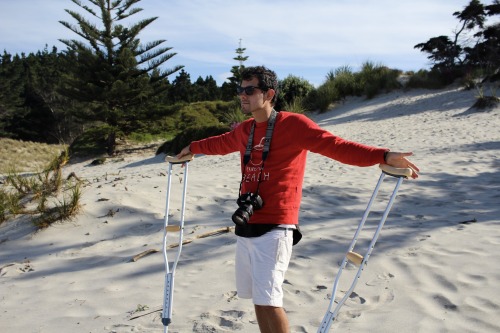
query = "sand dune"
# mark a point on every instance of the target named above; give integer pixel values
(433, 269)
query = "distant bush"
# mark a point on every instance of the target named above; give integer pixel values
(200, 120)
(141, 137)
(435, 78)
(292, 90)
(345, 82)
(197, 115)
(425, 79)
(370, 81)
(375, 79)
(218, 109)
(185, 137)
(322, 97)
(234, 115)
(296, 106)
(484, 101)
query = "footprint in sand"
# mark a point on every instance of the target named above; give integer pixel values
(16, 268)
(382, 295)
(219, 321)
(445, 302)
(231, 296)
(298, 329)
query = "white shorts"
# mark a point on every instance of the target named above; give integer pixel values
(261, 263)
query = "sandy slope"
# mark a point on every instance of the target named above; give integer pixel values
(433, 270)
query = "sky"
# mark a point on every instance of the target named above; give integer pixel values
(307, 39)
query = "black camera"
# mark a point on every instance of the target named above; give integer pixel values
(247, 203)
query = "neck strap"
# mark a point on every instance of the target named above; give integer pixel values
(267, 139)
(265, 152)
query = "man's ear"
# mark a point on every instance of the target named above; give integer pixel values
(270, 94)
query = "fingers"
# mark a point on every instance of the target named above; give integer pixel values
(400, 160)
(185, 151)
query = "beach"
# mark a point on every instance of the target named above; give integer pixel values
(433, 268)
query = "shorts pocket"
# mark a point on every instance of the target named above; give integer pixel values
(284, 251)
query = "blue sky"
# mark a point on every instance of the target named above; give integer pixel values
(303, 38)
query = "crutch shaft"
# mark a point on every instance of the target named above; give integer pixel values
(170, 273)
(356, 258)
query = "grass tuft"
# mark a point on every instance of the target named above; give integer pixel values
(43, 196)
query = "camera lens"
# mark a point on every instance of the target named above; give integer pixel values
(242, 215)
(247, 203)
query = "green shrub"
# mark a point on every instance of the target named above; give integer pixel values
(196, 115)
(234, 115)
(345, 82)
(187, 136)
(425, 79)
(296, 106)
(323, 97)
(375, 79)
(290, 89)
(435, 78)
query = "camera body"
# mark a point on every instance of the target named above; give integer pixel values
(248, 203)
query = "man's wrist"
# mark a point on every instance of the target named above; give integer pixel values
(385, 155)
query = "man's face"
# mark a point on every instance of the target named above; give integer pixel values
(255, 101)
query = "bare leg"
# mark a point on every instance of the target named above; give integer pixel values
(271, 319)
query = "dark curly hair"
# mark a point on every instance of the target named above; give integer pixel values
(266, 77)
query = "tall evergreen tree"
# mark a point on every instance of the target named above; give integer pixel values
(206, 90)
(229, 88)
(113, 71)
(236, 70)
(30, 106)
(182, 89)
(11, 89)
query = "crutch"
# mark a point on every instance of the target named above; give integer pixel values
(356, 258)
(168, 297)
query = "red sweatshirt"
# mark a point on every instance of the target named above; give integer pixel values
(281, 181)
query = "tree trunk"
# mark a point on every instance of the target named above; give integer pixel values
(111, 143)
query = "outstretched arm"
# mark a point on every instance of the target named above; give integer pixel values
(400, 160)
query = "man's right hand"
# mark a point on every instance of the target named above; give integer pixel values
(185, 151)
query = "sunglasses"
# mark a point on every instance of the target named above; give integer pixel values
(248, 90)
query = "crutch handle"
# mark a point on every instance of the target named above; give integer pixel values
(355, 258)
(175, 160)
(396, 172)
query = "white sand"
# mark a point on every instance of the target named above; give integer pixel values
(429, 272)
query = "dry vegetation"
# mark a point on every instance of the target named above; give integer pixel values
(20, 156)
(42, 194)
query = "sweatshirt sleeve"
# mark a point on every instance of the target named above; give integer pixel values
(218, 145)
(327, 144)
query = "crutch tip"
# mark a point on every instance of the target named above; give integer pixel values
(166, 321)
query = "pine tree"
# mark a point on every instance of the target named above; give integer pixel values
(113, 72)
(236, 70)
(229, 88)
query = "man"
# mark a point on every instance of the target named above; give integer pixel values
(273, 147)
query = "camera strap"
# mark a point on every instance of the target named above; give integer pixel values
(267, 144)
(267, 140)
